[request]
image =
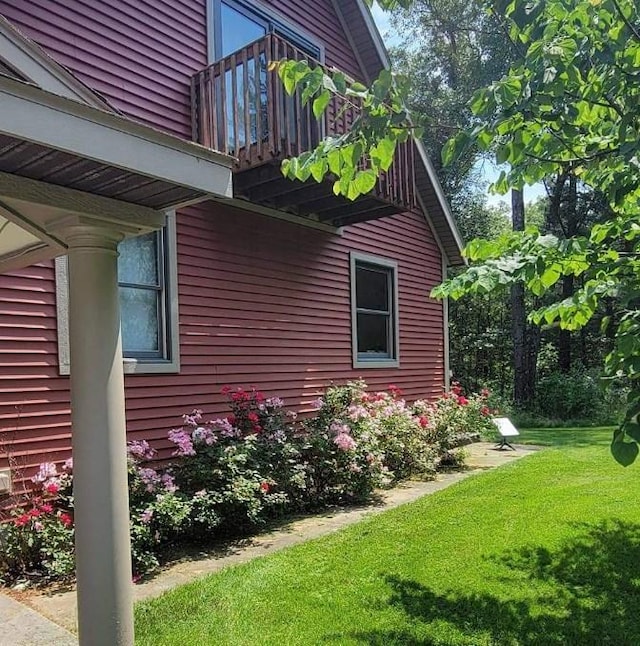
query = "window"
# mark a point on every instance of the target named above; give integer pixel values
(234, 24)
(147, 279)
(374, 304)
(141, 266)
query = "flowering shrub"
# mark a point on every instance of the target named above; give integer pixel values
(159, 513)
(231, 474)
(37, 540)
(455, 419)
(244, 467)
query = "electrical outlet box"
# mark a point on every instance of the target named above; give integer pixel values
(5, 481)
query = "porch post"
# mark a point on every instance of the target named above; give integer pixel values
(103, 551)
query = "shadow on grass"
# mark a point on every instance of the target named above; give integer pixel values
(585, 592)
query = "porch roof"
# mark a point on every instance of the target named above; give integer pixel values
(51, 143)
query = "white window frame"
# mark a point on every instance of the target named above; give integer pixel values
(170, 363)
(390, 266)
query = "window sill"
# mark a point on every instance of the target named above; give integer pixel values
(159, 367)
(376, 363)
(137, 367)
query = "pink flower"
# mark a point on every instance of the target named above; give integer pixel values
(423, 421)
(146, 516)
(338, 427)
(66, 519)
(463, 401)
(485, 411)
(183, 442)
(357, 412)
(344, 442)
(264, 487)
(68, 465)
(47, 470)
(194, 419)
(53, 488)
(394, 390)
(168, 482)
(140, 450)
(22, 520)
(38, 526)
(46, 508)
(204, 435)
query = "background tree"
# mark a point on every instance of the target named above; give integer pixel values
(572, 105)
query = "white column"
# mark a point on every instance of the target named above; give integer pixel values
(103, 551)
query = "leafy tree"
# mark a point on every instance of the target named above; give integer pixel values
(572, 104)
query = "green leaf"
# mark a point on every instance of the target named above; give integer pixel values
(365, 181)
(454, 148)
(320, 103)
(624, 453)
(382, 154)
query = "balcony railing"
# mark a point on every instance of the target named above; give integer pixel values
(241, 108)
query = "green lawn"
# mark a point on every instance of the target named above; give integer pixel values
(543, 551)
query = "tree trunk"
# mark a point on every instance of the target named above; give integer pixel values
(564, 336)
(518, 313)
(568, 283)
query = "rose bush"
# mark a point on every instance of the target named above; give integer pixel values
(229, 475)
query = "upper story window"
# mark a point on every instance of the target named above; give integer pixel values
(374, 295)
(236, 24)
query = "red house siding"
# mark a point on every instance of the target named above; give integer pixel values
(262, 301)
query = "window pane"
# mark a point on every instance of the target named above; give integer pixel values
(238, 30)
(373, 334)
(138, 260)
(140, 323)
(372, 289)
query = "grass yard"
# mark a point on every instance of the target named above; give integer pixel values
(543, 551)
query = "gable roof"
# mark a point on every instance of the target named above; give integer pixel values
(373, 57)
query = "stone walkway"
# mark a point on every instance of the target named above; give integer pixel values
(31, 621)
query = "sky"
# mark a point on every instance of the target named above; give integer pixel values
(488, 170)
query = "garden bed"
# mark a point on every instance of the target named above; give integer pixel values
(236, 475)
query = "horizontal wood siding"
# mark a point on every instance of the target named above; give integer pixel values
(34, 399)
(262, 302)
(140, 54)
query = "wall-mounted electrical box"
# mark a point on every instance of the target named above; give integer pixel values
(5, 481)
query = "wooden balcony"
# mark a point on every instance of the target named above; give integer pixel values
(241, 108)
